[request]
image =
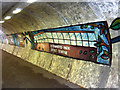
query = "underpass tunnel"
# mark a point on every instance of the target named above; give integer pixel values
(72, 40)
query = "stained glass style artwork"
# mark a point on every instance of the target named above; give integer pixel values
(10, 39)
(1, 39)
(16, 39)
(89, 42)
(21, 40)
(115, 24)
(4, 39)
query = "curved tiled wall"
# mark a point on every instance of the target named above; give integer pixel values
(39, 16)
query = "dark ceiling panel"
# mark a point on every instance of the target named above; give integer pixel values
(6, 6)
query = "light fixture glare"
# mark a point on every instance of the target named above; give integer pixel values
(2, 21)
(31, 1)
(7, 17)
(17, 10)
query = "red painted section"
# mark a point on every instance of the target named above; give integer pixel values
(78, 52)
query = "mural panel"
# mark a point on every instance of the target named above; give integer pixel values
(10, 39)
(21, 40)
(3, 39)
(16, 39)
(90, 42)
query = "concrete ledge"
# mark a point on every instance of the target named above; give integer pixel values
(45, 60)
(11, 48)
(7, 48)
(0, 45)
(61, 66)
(25, 54)
(3, 47)
(15, 50)
(33, 56)
(20, 51)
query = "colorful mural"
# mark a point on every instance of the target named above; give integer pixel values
(88, 42)
(4, 39)
(16, 39)
(115, 24)
(1, 39)
(28, 40)
(21, 40)
(10, 39)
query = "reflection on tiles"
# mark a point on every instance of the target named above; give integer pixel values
(79, 43)
(73, 42)
(91, 36)
(85, 43)
(66, 35)
(72, 36)
(78, 36)
(84, 36)
(92, 44)
(67, 42)
(77, 39)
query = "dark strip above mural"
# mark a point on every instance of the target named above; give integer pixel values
(89, 42)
